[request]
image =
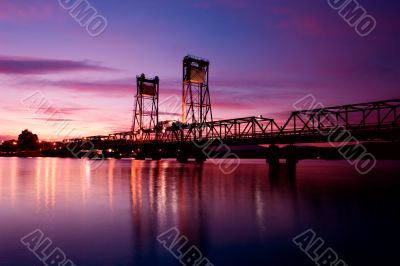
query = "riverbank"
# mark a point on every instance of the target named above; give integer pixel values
(381, 151)
(21, 154)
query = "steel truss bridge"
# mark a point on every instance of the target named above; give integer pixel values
(372, 121)
(149, 137)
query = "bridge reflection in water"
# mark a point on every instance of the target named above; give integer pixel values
(113, 214)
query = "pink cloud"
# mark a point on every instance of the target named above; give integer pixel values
(28, 65)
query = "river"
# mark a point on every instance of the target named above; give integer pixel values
(111, 213)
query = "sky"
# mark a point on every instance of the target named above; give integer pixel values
(264, 56)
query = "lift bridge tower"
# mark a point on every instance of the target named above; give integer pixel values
(196, 102)
(145, 118)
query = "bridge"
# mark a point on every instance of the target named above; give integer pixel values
(197, 132)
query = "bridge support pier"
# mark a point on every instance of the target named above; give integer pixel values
(155, 153)
(190, 151)
(156, 157)
(272, 157)
(200, 157)
(182, 155)
(291, 164)
(292, 158)
(291, 155)
(291, 161)
(139, 154)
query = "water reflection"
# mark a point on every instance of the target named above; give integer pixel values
(207, 205)
(13, 167)
(112, 215)
(111, 167)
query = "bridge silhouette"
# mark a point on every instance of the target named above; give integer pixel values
(197, 132)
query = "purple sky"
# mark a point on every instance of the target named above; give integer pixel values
(264, 56)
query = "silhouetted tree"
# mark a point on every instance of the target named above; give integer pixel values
(27, 141)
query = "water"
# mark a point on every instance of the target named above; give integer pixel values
(112, 215)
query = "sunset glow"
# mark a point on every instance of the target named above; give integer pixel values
(293, 49)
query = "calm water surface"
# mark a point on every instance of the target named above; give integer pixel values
(113, 214)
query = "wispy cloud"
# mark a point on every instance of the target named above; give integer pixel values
(27, 65)
(53, 119)
(61, 110)
(117, 88)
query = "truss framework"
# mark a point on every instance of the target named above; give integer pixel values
(196, 100)
(371, 121)
(145, 117)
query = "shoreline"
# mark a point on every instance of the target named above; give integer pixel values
(381, 151)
